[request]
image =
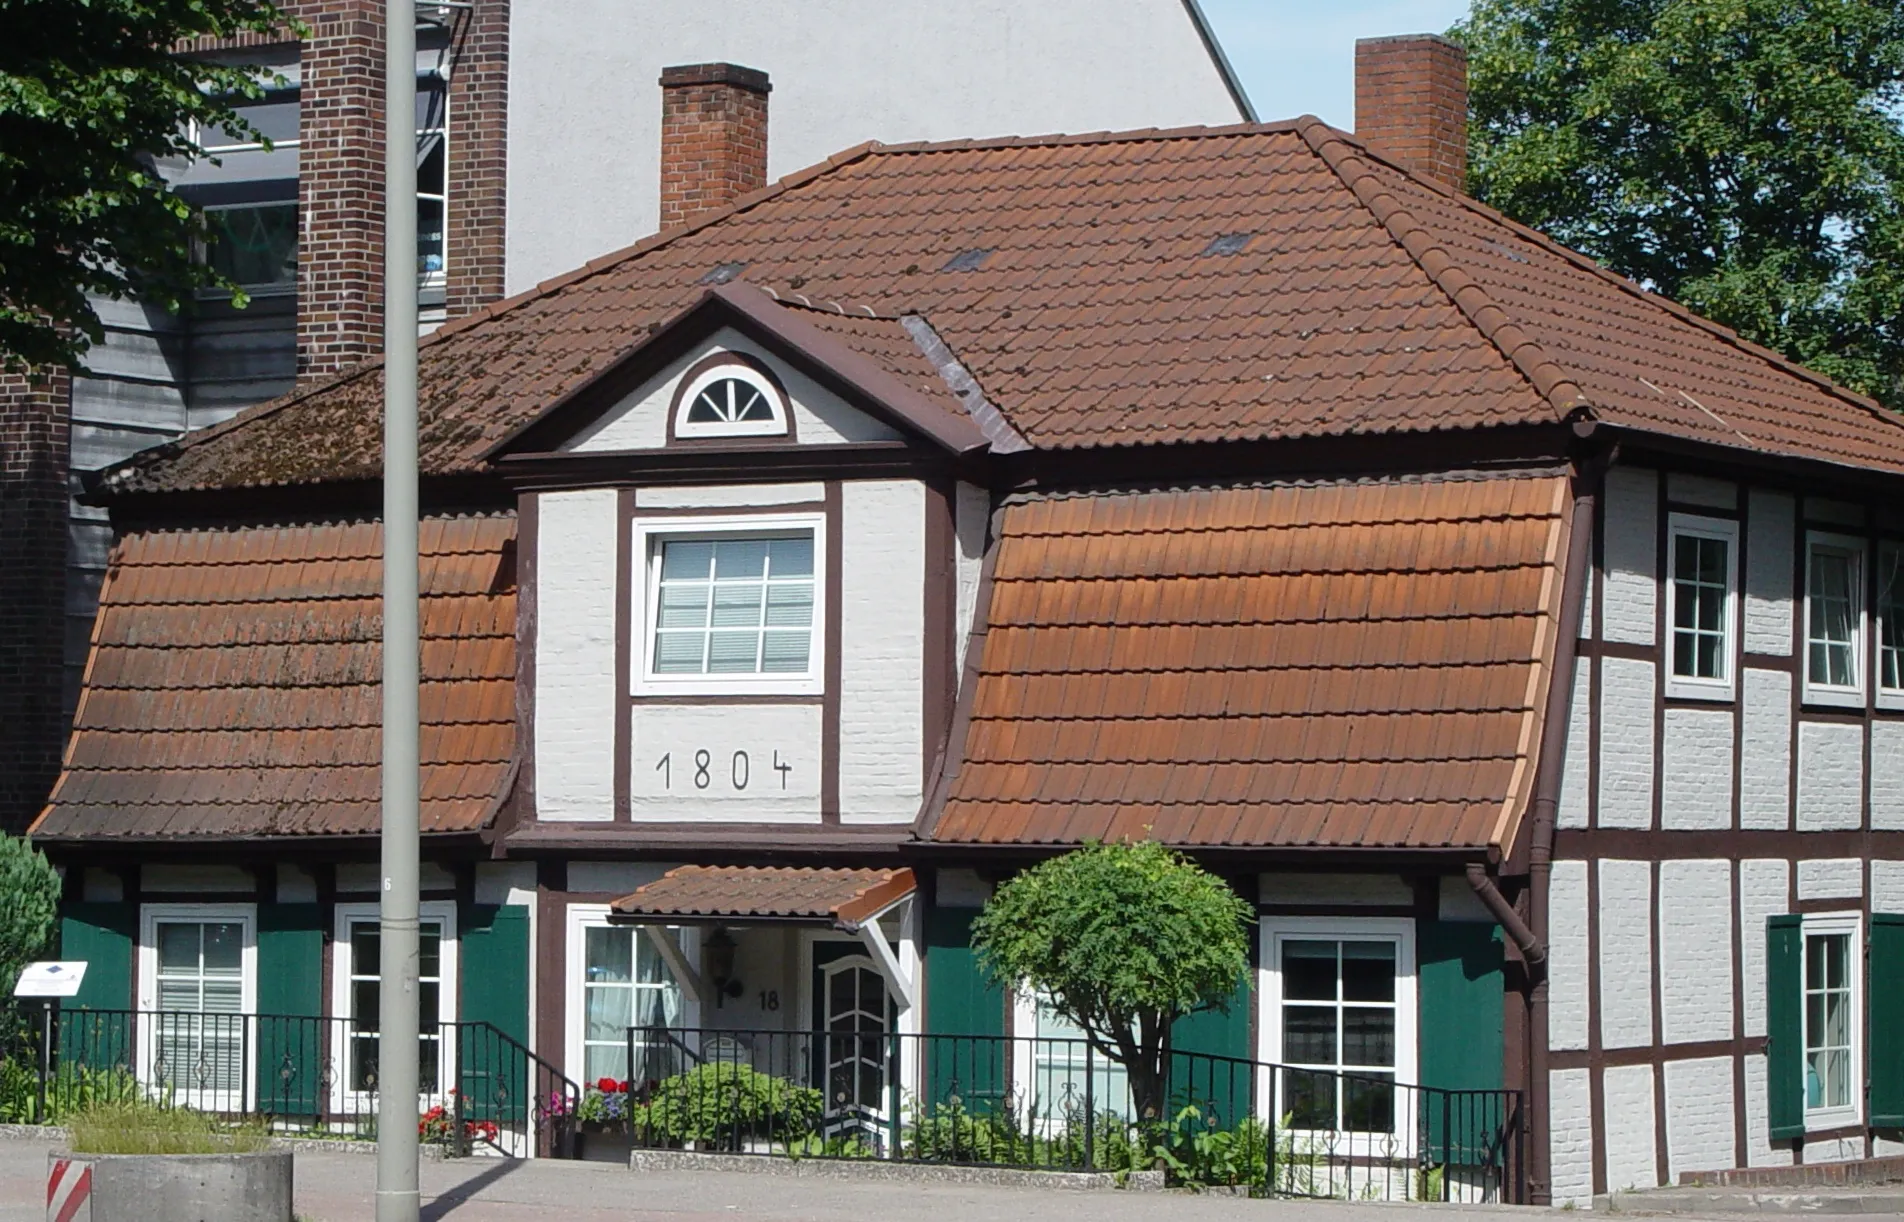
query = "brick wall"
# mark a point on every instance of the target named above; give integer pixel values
(478, 150)
(340, 190)
(713, 138)
(1411, 103)
(35, 449)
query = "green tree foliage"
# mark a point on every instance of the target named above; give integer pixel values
(29, 900)
(91, 99)
(1124, 939)
(1743, 157)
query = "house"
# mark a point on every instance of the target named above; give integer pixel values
(1525, 647)
(538, 139)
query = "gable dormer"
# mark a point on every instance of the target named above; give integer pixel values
(752, 545)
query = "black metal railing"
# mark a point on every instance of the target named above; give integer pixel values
(478, 1088)
(1062, 1104)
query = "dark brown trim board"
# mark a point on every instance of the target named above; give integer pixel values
(528, 538)
(940, 610)
(625, 629)
(830, 708)
(551, 962)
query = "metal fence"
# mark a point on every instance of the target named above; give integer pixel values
(480, 1090)
(1061, 1104)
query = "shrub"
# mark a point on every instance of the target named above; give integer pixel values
(140, 1127)
(723, 1102)
(29, 899)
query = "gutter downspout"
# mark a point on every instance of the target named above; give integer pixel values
(1530, 936)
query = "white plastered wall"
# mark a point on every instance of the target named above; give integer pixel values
(882, 650)
(575, 655)
(585, 106)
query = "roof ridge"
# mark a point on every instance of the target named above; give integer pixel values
(1660, 301)
(1521, 349)
(1135, 135)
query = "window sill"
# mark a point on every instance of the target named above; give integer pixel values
(662, 690)
(1832, 697)
(1893, 701)
(1834, 1120)
(1681, 688)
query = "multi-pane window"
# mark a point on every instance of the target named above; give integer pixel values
(365, 997)
(1701, 593)
(1339, 1033)
(1833, 614)
(733, 605)
(624, 984)
(1068, 1074)
(199, 974)
(432, 106)
(1891, 618)
(1830, 1015)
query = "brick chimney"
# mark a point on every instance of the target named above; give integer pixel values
(1411, 104)
(713, 138)
(35, 454)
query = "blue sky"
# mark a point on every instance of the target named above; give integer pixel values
(1298, 57)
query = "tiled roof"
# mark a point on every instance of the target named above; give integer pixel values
(843, 896)
(1346, 664)
(234, 684)
(1197, 285)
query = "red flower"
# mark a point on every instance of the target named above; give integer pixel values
(623, 1088)
(606, 1085)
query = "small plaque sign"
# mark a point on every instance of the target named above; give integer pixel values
(53, 978)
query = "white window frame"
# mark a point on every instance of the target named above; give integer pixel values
(1850, 924)
(581, 918)
(1029, 1070)
(344, 1100)
(650, 534)
(739, 371)
(1887, 697)
(150, 916)
(1851, 696)
(1692, 687)
(1269, 991)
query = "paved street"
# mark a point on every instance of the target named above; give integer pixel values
(337, 1188)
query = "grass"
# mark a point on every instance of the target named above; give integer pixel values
(137, 1127)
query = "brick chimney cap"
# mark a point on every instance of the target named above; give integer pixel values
(1442, 39)
(683, 75)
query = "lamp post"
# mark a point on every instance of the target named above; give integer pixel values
(398, 1198)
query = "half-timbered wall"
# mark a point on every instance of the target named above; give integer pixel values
(1687, 817)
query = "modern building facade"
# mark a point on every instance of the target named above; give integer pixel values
(1525, 648)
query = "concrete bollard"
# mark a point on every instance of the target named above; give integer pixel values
(169, 1187)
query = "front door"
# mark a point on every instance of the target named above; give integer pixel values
(855, 1017)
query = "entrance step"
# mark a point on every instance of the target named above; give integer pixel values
(1830, 1202)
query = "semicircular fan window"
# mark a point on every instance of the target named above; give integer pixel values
(730, 401)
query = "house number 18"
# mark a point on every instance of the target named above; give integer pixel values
(740, 770)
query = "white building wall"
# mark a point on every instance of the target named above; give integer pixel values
(1626, 743)
(972, 515)
(882, 650)
(1695, 912)
(1631, 550)
(1830, 776)
(1765, 767)
(1700, 1134)
(1887, 775)
(1631, 1136)
(1567, 950)
(1626, 954)
(574, 651)
(1573, 775)
(1570, 1109)
(1836, 878)
(762, 763)
(585, 106)
(1696, 785)
(1770, 538)
(1759, 1150)
(1764, 890)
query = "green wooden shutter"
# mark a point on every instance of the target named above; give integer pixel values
(1209, 1058)
(961, 1001)
(1784, 1026)
(290, 1000)
(1887, 1020)
(493, 1058)
(1460, 1046)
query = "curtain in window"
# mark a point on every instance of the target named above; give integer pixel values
(1833, 576)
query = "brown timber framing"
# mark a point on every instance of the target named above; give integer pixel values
(938, 652)
(830, 688)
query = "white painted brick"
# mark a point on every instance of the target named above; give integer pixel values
(1834, 1150)
(1887, 886)
(1887, 775)
(1699, 1121)
(1844, 513)
(1885, 1147)
(708, 763)
(1567, 956)
(1759, 1150)
(1771, 526)
(1765, 767)
(1327, 889)
(1458, 902)
(1631, 555)
(615, 877)
(722, 496)
(1696, 770)
(1695, 919)
(297, 886)
(1570, 1107)
(882, 641)
(1701, 490)
(1626, 954)
(972, 509)
(1631, 1149)
(1586, 611)
(1626, 743)
(1573, 773)
(1836, 878)
(575, 656)
(1830, 776)
(1764, 890)
(505, 882)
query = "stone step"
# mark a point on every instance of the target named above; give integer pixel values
(1837, 1201)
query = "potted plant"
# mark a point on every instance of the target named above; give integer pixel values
(602, 1121)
